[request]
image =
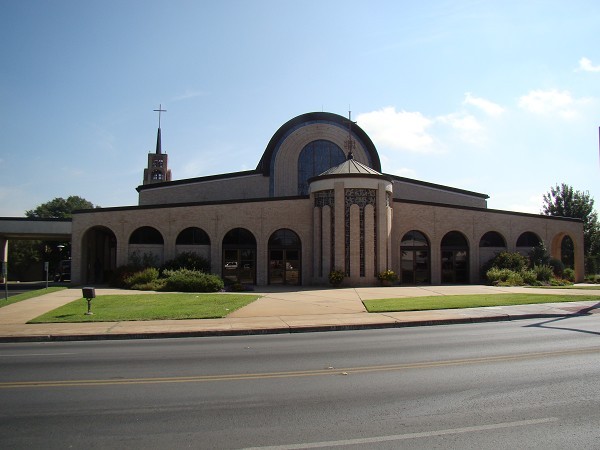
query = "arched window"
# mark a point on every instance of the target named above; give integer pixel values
(146, 247)
(315, 158)
(455, 258)
(492, 239)
(146, 235)
(528, 240)
(284, 257)
(193, 236)
(414, 259)
(239, 256)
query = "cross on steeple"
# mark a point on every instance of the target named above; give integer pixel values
(158, 140)
(159, 111)
(349, 144)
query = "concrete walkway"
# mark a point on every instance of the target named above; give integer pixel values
(284, 310)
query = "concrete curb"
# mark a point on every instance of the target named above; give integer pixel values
(279, 330)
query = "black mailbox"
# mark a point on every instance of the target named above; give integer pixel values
(89, 292)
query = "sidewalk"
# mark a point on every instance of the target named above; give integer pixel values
(284, 310)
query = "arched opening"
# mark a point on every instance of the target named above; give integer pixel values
(285, 254)
(193, 240)
(414, 258)
(146, 247)
(315, 158)
(527, 241)
(99, 256)
(455, 258)
(567, 252)
(563, 249)
(490, 244)
(239, 256)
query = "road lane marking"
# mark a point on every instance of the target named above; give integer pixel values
(400, 437)
(24, 355)
(295, 374)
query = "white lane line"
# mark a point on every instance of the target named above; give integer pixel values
(399, 437)
(13, 355)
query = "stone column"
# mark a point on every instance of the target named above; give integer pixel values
(317, 259)
(383, 232)
(326, 241)
(340, 238)
(355, 244)
(4, 252)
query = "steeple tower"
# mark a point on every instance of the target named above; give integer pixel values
(157, 170)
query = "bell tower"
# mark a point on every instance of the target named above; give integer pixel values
(158, 169)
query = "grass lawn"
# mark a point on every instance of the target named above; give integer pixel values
(583, 288)
(26, 295)
(115, 308)
(468, 301)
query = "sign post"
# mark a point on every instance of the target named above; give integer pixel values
(5, 278)
(46, 268)
(89, 293)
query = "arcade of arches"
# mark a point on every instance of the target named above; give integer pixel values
(284, 250)
(317, 201)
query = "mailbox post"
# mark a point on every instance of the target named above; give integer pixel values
(89, 293)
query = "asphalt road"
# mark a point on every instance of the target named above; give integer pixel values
(525, 384)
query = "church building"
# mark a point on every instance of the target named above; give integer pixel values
(317, 201)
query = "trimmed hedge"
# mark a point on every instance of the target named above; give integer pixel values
(186, 280)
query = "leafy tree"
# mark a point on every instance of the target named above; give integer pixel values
(564, 201)
(59, 208)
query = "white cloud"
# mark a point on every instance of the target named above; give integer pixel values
(398, 130)
(465, 123)
(487, 106)
(551, 102)
(468, 127)
(585, 64)
(189, 94)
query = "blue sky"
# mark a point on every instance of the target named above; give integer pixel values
(497, 97)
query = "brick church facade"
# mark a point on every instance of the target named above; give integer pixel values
(317, 201)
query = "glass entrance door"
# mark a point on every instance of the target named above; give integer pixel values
(238, 265)
(284, 267)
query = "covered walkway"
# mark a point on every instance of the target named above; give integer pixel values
(21, 228)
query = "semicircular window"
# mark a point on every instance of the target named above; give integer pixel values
(528, 239)
(193, 236)
(315, 158)
(492, 239)
(146, 235)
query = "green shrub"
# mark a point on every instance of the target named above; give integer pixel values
(336, 277)
(387, 275)
(142, 277)
(120, 274)
(504, 277)
(529, 277)
(186, 280)
(543, 273)
(509, 260)
(558, 267)
(569, 274)
(188, 260)
(592, 279)
(559, 282)
(539, 256)
(155, 285)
